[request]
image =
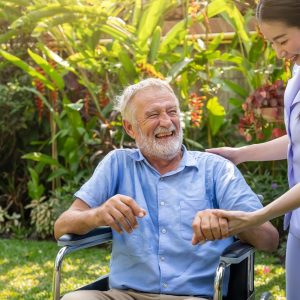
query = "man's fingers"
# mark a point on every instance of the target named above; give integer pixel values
(110, 221)
(127, 213)
(137, 210)
(206, 228)
(215, 228)
(223, 224)
(198, 236)
(121, 219)
(123, 211)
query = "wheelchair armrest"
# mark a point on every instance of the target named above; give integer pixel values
(74, 242)
(236, 252)
(96, 236)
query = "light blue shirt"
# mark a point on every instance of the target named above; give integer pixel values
(292, 124)
(158, 257)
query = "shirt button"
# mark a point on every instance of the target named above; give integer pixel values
(164, 230)
(161, 179)
(165, 285)
(162, 203)
(162, 258)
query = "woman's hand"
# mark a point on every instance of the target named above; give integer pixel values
(233, 154)
(239, 221)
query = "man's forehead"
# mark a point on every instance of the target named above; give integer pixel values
(152, 95)
(154, 90)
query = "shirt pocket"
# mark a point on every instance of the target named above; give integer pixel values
(138, 241)
(188, 210)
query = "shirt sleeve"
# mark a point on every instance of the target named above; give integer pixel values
(100, 186)
(231, 190)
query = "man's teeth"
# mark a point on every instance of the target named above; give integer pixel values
(164, 134)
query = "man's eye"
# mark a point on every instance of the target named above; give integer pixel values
(153, 115)
(283, 43)
(173, 112)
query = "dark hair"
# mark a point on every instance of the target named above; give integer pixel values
(286, 11)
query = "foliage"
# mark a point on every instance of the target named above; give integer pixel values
(17, 117)
(263, 113)
(26, 269)
(8, 223)
(79, 56)
(45, 211)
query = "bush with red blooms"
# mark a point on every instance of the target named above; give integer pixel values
(263, 113)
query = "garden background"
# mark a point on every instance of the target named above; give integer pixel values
(63, 62)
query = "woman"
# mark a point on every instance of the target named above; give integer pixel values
(279, 21)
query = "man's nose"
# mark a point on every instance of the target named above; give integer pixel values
(165, 120)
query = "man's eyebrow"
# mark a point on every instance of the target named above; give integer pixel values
(279, 36)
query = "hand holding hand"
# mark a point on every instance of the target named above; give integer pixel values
(208, 226)
(120, 213)
(239, 220)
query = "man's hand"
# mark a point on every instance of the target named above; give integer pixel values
(120, 212)
(208, 226)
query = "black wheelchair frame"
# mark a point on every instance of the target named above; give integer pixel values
(239, 257)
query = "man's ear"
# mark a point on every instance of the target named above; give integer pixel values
(129, 128)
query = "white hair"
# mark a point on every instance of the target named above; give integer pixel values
(122, 103)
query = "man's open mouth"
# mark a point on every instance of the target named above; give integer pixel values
(163, 135)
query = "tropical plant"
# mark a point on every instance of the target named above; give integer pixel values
(263, 113)
(79, 56)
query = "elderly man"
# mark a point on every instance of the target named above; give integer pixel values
(151, 198)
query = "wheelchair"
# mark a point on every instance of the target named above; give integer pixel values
(239, 257)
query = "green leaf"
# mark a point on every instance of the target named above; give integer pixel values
(256, 49)
(137, 12)
(194, 143)
(215, 7)
(117, 33)
(173, 37)
(48, 69)
(18, 2)
(7, 35)
(236, 102)
(155, 42)
(236, 19)
(25, 67)
(216, 113)
(236, 88)
(150, 20)
(57, 173)
(57, 58)
(179, 67)
(40, 157)
(125, 60)
(215, 43)
(35, 190)
(75, 106)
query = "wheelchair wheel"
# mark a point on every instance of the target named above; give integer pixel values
(266, 296)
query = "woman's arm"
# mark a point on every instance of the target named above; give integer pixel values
(239, 220)
(273, 150)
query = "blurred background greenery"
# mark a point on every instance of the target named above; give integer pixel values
(63, 62)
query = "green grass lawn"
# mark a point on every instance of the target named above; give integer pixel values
(26, 269)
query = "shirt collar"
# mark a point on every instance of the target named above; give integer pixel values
(187, 160)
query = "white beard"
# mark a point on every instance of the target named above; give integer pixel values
(161, 149)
